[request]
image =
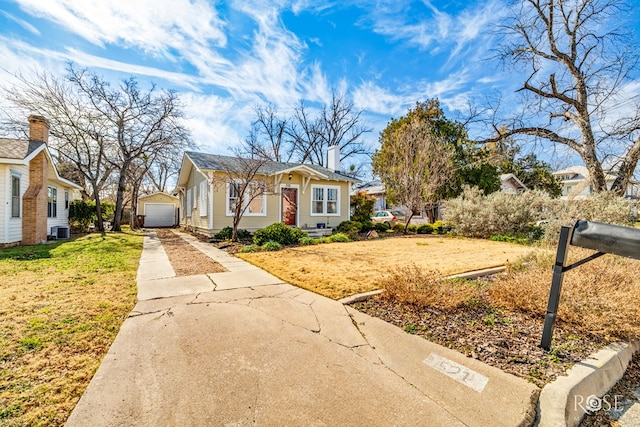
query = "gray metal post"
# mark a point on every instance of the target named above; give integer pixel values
(556, 286)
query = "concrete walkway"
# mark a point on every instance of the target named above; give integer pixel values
(243, 348)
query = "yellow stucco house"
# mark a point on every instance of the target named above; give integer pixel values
(306, 196)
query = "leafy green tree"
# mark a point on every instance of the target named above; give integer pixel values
(362, 208)
(434, 152)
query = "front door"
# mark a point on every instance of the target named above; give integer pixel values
(289, 206)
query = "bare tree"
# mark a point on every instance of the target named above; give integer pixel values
(138, 122)
(78, 133)
(244, 179)
(578, 63)
(413, 163)
(305, 136)
(269, 137)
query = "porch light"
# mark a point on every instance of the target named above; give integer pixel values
(290, 176)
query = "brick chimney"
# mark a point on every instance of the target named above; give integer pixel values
(34, 200)
(38, 129)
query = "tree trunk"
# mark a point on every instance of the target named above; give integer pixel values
(99, 219)
(122, 185)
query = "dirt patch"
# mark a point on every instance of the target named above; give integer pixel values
(185, 259)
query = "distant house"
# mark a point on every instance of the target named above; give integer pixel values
(509, 183)
(34, 198)
(375, 189)
(302, 195)
(159, 209)
(577, 185)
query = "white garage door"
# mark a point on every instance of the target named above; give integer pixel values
(159, 215)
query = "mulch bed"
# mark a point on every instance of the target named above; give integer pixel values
(508, 341)
(185, 259)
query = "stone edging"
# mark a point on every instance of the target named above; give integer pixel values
(564, 401)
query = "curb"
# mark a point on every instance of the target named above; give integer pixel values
(478, 273)
(360, 297)
(468, 275)
(563, 401)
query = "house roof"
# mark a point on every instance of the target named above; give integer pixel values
(215, 162)
(576, 172)
(509, 177)
(158, 193)
(21, 151)
(371, 187)
(18, 149)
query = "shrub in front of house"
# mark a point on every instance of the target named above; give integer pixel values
(412, 228)
(380, 227)
(398, 227)
(308, 241)
(475, 215)
(338, 238)
(271, 246)
(278, 232)
(249, 248)
(227, 232)
(441, 227)
(425, 229)
(349, 227)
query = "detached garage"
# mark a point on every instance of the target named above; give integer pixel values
(159, 210)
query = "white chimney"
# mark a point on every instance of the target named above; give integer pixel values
(333, 158)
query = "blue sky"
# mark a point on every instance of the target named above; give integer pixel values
(227, 57)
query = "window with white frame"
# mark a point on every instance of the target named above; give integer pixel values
(254, 201)
(325, 200)
(52, 202)
(203, 198)
(195, 196)
(15, 196)
(188, 212)
(66, 200)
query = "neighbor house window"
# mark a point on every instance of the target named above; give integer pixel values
(52, 202)
(203, 198)
(253, 200)
(66, 200)
(15, 196)
(325, 200)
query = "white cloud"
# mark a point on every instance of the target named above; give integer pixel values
(24, 24)
(167, 28)
(372, 98)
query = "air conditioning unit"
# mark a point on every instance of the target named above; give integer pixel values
(60, 232)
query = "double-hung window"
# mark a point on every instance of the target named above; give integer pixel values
(52, 202)
(15, 196)
(325, 200)
(253, 200)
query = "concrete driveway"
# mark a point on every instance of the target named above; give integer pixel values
(243, 348)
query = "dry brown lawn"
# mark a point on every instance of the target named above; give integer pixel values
(338, 270)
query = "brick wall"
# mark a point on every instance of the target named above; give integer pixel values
(34, 202)
(38, 129)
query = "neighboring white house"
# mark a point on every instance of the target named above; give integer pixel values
(577, 185)
(34, 198)
(303, 195)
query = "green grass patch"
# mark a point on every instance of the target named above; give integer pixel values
(61, 306)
